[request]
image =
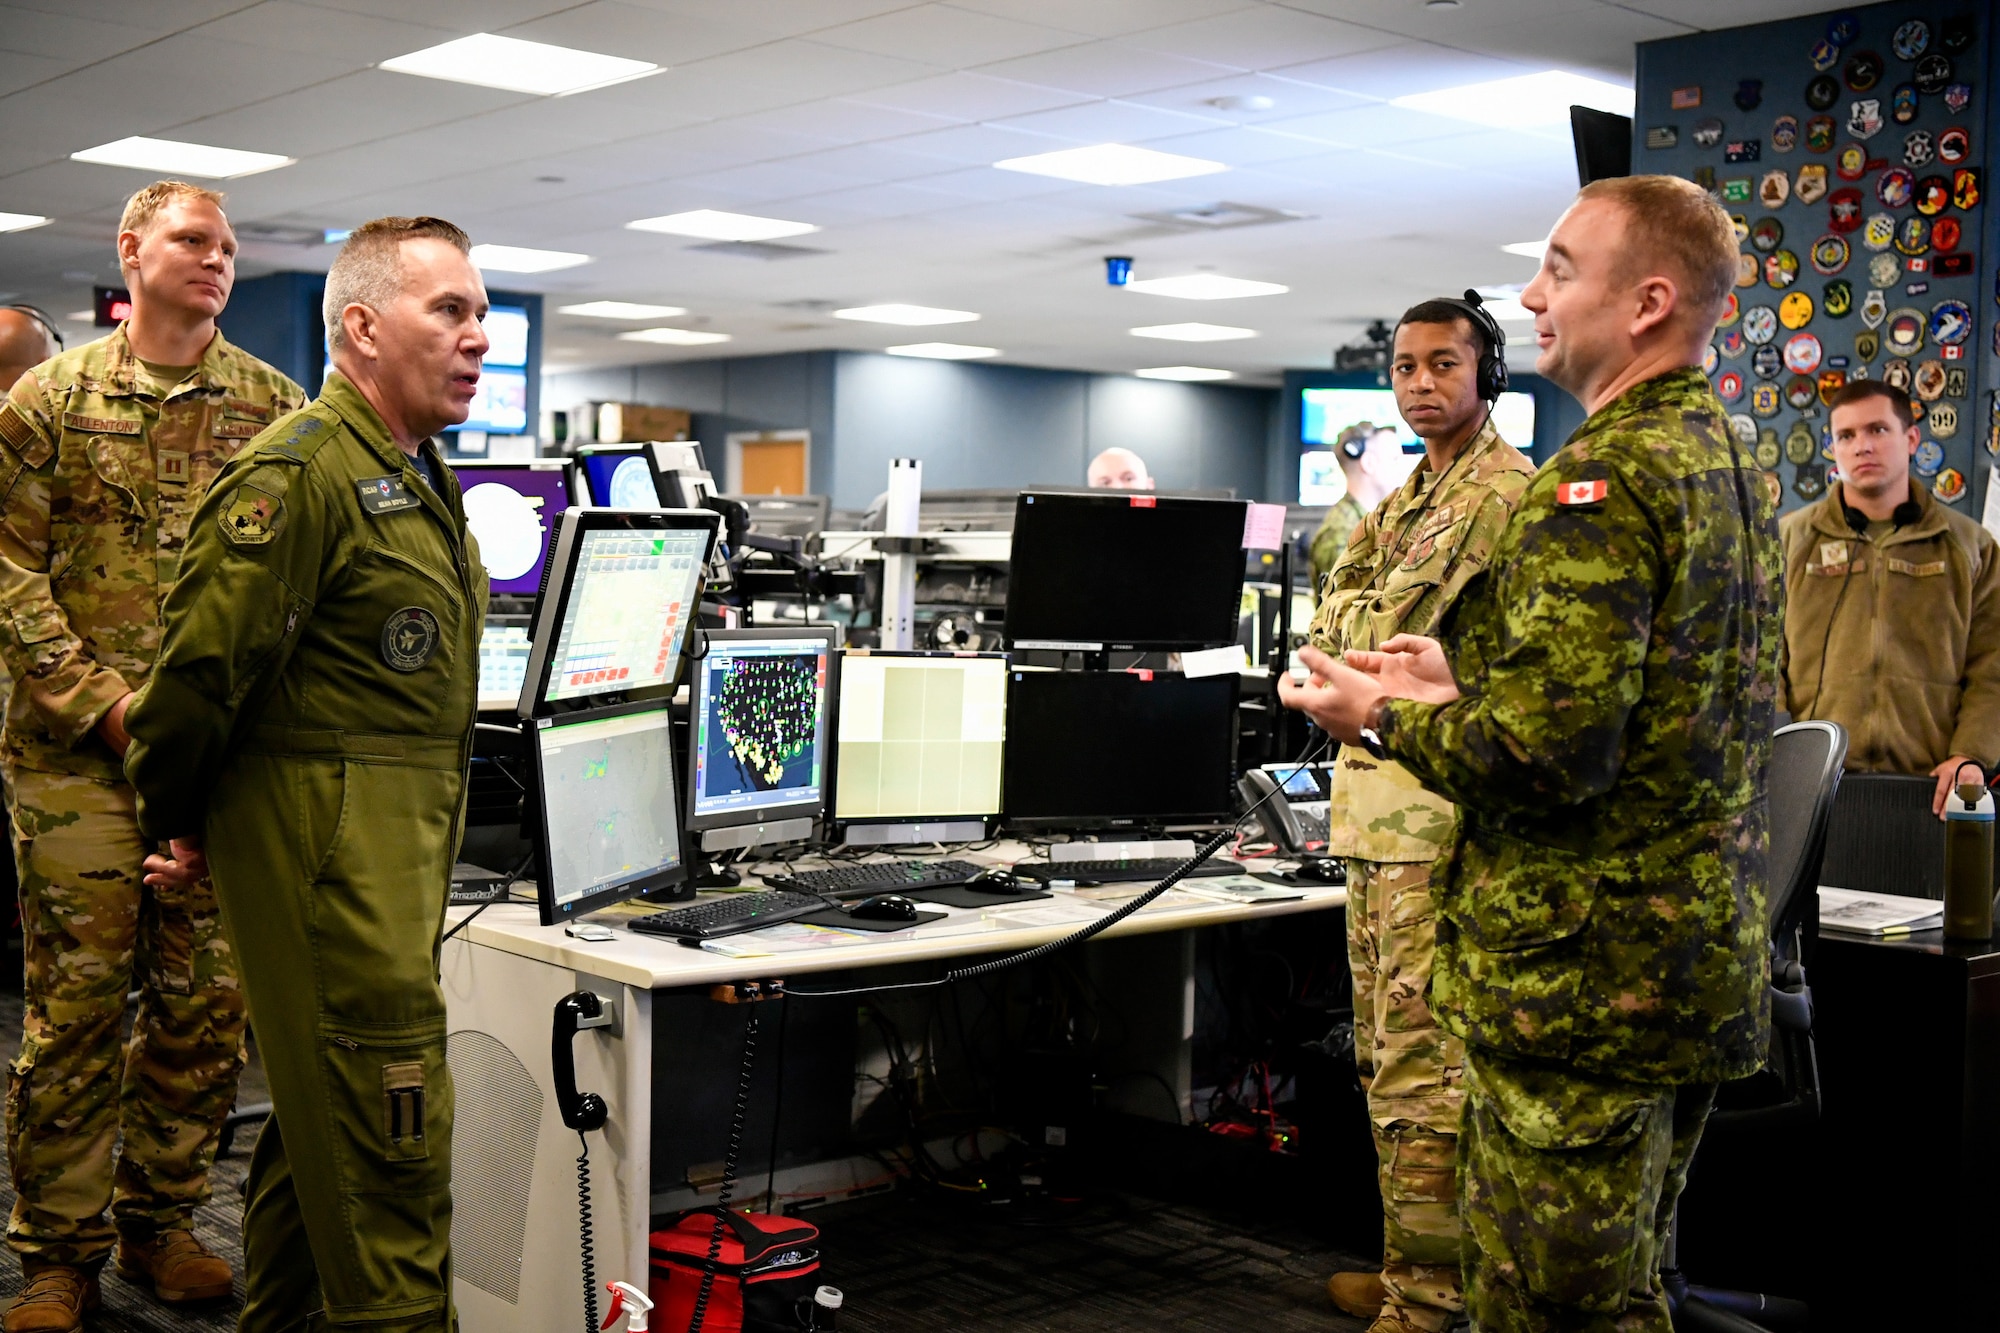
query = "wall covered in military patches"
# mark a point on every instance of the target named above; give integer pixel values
(1851, 149)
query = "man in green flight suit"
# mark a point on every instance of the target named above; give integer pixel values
(105, 453)
(1601, 917)
(1404, 568)
(307, 728)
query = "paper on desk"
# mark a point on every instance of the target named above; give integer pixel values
(1240, 890)
(785, 937)
(1859, 913)
(1056, 912)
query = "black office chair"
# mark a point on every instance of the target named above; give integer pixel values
(1884, 837)
(1803, 778)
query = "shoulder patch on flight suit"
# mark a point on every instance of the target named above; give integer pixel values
(255, 511)
(384, 495)
(101, 425)
(409, 637)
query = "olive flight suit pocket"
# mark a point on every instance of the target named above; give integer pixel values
(391, 1101)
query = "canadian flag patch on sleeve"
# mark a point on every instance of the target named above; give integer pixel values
(1582, 492)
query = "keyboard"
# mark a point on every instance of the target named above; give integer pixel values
(730, 916)
(877, 877)
(1140, 868)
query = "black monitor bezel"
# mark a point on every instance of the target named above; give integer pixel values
(818, 809)
(837, 821)
(552, 912)
(1225, 633)
(627, 450)
(1052, 823)
(558, 582)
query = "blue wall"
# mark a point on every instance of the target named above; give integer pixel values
(971, 424)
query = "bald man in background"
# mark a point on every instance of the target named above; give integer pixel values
(24, 344)
(1120, 469)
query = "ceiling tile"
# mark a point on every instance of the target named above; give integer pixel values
(1109, 121)
(1288, 97)
(1264, 38)
(978, 145)
(458, 17)
(1105, 69)
(951, 38)
(68, 36)
(363, 39)
(804, 69)
(1595, 38)
(1238, 147)
(1106, 18)
(375, 107)
(640, 33)
(157, 17)
(1412, 67)
(962, 96)
(18, 71)
(781, 18)
(761, 182)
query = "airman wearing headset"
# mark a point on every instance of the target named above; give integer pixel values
(1405, 565)
(28, 337)
(1892, 627)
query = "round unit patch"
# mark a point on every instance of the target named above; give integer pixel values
(1731, 312)
(1851, 162)
(1919, 148)
(409, 637)
(1744, 426)
(1928, 459)
(1781, 269)
(1913, 236)
(1879, 232)
(1895, 186)
(1767, 235)
(1767, 363)
(1928, 381)
(1748, 267)
(1903, 334)
(1912, 39)
(1903, 103)
(1950, 323)
(1954, 146)
(1800, 391)
(1764, 400)
(1897, 373)
(1943, 420)
(1796, 310)
(1760, 324)
(1932, 195)
(1885, 270)
(1710, 359)
(1838, 301)
(1802, 352)
(1932, 74)
(1862, 71)
(1784, 134)
(1829, 254)
(1822, 92)
(1729, 387)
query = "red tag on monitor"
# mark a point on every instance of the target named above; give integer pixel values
(1144, 502)
(1582, 492)
(1143, 673)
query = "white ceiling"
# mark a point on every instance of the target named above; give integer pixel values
(878, 120)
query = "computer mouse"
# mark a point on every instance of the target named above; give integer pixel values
(999, 879)
(885, 907)
(1323, 869)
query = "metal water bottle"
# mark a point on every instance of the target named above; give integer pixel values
(1968, 862)
(826, 1309)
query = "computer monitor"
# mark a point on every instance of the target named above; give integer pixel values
(611, 620)
(621, 476)
(760, 734)
(920, 742)
(503, 662)
(1094, 572)
(510, 508)
(1098, 749)
(608, 816)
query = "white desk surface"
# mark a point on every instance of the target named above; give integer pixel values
(653, 962)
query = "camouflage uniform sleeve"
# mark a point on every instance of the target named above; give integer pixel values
(1346, 579)
(1977, 733)
(1544, 720)
(1482, 536)
(259, 550)
(67, 688)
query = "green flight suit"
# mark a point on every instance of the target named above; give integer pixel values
(1602, 945)
(311, 715)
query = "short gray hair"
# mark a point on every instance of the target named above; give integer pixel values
(369, 269)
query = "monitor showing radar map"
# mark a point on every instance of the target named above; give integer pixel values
(608, 809)
(613, 615)
(761, 726)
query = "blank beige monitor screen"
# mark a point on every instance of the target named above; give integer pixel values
(920, 737)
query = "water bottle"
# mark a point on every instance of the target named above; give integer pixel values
(1968, 862)
(826, 1309)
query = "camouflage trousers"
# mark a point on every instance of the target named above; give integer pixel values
(93, 931)
(1412, 1071)
(1569, 1184)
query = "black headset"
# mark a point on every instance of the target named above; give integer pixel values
(41, 317)
(1355, 442)
(1493, 359)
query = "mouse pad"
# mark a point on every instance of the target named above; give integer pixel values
(965, 895)
(840, 920)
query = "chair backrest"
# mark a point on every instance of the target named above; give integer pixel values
(1884, 838)
(1804, 775)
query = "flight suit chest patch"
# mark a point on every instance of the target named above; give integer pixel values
(409, 637)
(252, 517)
(385, 495)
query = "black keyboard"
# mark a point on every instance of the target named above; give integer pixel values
(874, 877)
(730, 916)
(1146, 868)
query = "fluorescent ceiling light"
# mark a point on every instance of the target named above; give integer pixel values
(1525, 102)
(905, 314)
(943, 351)
(621, 310)
(1193, 333)
(170, 157)
(1205, 287)
(81, 316)
(1189, 374)
(335, 235)
(521, 259)
(674, 337)
(1112, 164)
(1504, 303)
(20, 221)
(1527, 249)
(714, 225)
(518, 66)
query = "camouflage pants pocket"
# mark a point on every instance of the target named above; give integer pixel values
(179, 922)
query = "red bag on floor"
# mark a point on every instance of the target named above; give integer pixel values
(765, 1272)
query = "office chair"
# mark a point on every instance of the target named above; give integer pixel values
(1884, 838)
(1802, 781)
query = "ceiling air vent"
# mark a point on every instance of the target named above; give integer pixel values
(1216, 217)
(759, 249)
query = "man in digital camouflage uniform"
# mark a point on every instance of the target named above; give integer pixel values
(104, 453)
(308, 728)
(1405, 565)
(1601, 935)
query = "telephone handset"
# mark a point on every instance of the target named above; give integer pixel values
(580, 1110)
(1294, 818)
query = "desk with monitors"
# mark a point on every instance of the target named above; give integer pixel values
(760, 732)
(920, 743)
(609, 813)
(620, 476)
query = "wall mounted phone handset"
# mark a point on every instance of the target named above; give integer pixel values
(582, 1112)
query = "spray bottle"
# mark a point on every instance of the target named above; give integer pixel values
(1968, 858)
(624, 1294)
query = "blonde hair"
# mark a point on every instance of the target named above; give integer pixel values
(143, 207)
(1677, 228)
(369, 269)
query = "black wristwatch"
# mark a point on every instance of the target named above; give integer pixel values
(1372, 729)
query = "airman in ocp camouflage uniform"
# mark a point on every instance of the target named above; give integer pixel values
(102, 462)
(1405, 566)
